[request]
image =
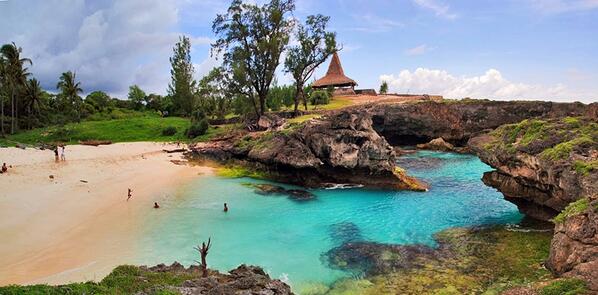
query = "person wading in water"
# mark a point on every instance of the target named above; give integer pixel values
(225, 208)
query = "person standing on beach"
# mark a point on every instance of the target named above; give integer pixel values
(4, 168)
(56, 154)
(62, 157)
(129, 195)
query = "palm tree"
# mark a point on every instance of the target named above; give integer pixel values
(33, 97)
(70, 89)
(2, 80)
(15, 77)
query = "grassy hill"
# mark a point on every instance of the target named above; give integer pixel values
(146, 127)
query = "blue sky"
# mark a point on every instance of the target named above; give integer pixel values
(525, 49)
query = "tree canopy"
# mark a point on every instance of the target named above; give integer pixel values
(251, 39)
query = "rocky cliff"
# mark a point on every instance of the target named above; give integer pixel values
(542, 165)
(574, 247)
(342, 148)
(457, 121)
(546, 167)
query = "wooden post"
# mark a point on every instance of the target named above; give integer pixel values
(203, 252)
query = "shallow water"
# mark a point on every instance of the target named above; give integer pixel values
(288, 237)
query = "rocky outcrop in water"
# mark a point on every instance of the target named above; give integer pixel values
(457, 121)
(243, 280)
(342, 148)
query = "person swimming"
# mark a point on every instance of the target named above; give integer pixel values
(225, 208)
(156, 206)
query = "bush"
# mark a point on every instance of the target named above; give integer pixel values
(319, 97)
(169, 131)
(197, 128)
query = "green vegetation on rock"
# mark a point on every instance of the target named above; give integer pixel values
(470, 261)
(572, 209)
(553, 139)
(124, 279)
(565, 287)
(584, 168)
(237, 171)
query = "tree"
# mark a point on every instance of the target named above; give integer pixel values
(182, 85)
(315, 46)
(213, 97)
(32, 99)
(15, 77)
(383, 87)
(203, 252)
(69, 90)
(99, 100)
(136, 96)
(251, 39)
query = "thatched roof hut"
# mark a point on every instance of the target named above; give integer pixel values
(335, 76)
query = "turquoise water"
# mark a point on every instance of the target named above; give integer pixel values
(288, 237)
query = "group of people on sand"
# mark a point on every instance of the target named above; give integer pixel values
(62, 157)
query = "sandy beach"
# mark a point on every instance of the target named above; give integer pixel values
(78, 225)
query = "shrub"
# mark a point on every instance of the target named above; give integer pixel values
(198, 128)
(319, 97)
(565, 287)
(169, 131)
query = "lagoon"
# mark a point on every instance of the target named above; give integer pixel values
(288, 238)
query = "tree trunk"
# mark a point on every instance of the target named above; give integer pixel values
(2, 119)
(12, 110)
(298, 96)
(262, 104)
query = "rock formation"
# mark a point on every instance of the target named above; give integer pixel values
(542, 165)
(342, 148)
(457, 121)
(546, 167)
(574, 247)
(241, 280)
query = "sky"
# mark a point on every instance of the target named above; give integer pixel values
(495, 49)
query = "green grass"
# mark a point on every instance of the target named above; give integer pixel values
(585, 167)
(124, 279)
(564, 149)
(572, 209)
(337, 102)
(565, 287)
(148, 127)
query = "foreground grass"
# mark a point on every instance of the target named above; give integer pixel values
(138, 128)
(124, 279)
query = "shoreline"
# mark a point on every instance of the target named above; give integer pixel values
(79, 223)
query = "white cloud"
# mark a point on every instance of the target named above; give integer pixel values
(440, 9)
(491, 85)
(110, 44)
(370, 23)
(418, 50)
(561, 6)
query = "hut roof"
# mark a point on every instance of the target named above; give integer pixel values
(335, 75)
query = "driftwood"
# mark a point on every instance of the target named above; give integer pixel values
(203, 252)
(181, 150)
(95, 142)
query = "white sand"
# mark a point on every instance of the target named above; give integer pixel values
(62, 229)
